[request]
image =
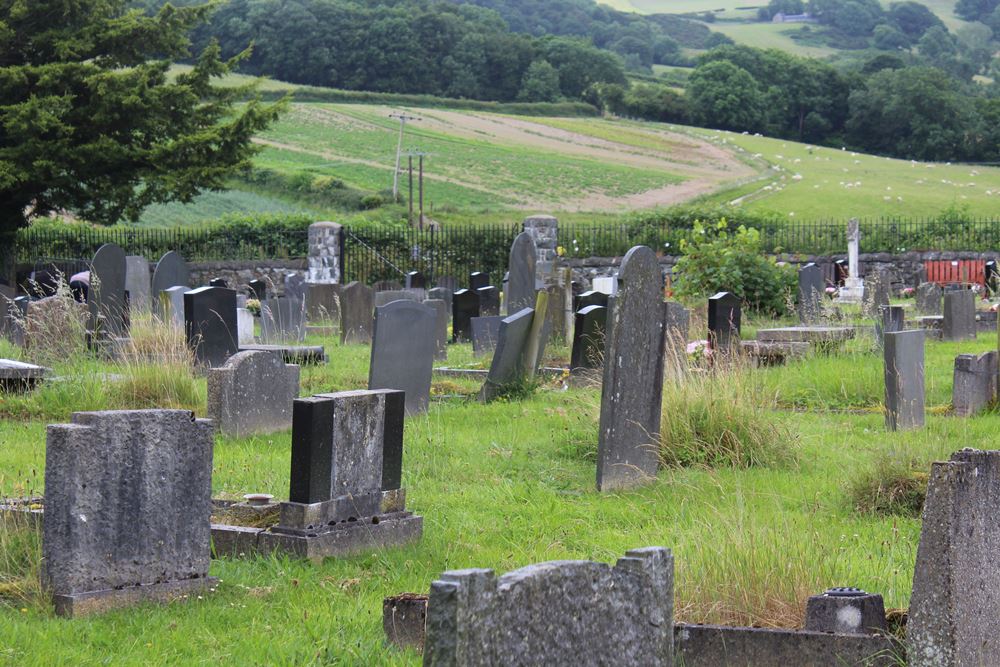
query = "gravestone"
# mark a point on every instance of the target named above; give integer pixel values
(555, 312)
(904, 379)
(477, 279)
(443, 294)
(324, 253)
(388, 296)
(449, 283)
(218, 282)
(954, 616)
(295, 286)
(282, 321)
(891, 319)
(357, 305)
(440, 327)
(415, 280)
(974, 385)
(252, 393)
(171, 302)
(137, 284)
(106, 297)
(12, 319)
(812, 289)
(323, 302)
(588, 339)
(676, 327)
(509, 358)
(876, 293)
(724, 321)
(257, 289)
(591, 298)
(485, 333)
(928, 298)
(210, 324)
(632, 389)
(464, 306)
(520, 292)
(853, 288)
(402, 354)
(489, 301)
(170, 271)
(557, 613)
(244, 325)
(127, 507)
(959, 316)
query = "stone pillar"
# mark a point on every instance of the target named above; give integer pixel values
(324, 253)
(544, 231)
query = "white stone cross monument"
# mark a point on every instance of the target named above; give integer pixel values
(854, 287)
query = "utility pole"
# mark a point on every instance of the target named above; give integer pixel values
(402, 117)
(409, 217)
(420, 185)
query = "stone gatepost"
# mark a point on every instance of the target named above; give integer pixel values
(325, 253)
(544, 231)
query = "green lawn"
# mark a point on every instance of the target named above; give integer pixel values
(503, 486)
(771, 36)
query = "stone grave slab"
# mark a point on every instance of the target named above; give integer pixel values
(388, 296)
(252, 393)
(442, 293)
(18, 376)
(12, 319)
(323, 302)
(485, 333)
(441, 319)
(508, 364)
(245, 326)
(300, 355)
(806, 334)
(928, 298)
(402, 354)
(210, 324)
(959, 321)
(904, 379)
(489, 301)
(171, 302)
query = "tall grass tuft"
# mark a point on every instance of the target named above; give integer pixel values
(896, 484)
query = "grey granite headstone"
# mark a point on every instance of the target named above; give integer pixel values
(106, 297)
(252, 393)
(323, 302)
(357, 307)
(632, 390)
(210, 324)
(724, 321)
(928, 298)
(441, 319)
(890, 319)
(508, 364)
(485, 333)
(171, 302)
(812, 289)
(127, 505)
(588, 339)
(959, 316)
(954, 614)
(904, 379)
(12, 319)
(442, 293)
(489, 301)
(975, 382)
(464, 306)
(282, 321)
(170, 271)
(521, 284)
(557, 613)
(137, 284)
(402, 354)
(295, 286)
(876, 293)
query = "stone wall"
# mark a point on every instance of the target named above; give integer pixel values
(239, 273)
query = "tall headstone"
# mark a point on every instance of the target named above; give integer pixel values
(876, 293)
(959, 315)
(974, 384)
(210, 324)
(324, 259)
(904, 379)
(954, 614)
(106, 297)
(477, 279)
(252, 393)
(632, 390)
(852, 290)
(928, 298)
(588, 339)
(170, 271)
(441, 319)
(244, 325)
(323, 302)
(357, 307)
(521, 284)
(464, 306)
(676, 327)
(725, 315)
(171, 307)
(402, 354)
(510, 357)
(812, 288)
(137, 284)
(13, 318)
(257, 289)
(544, 232)
(282, 321)
(891, 319)
(127, 508)
(558, 613)
(489, 301)
(485, 334)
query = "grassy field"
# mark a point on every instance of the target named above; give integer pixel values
(771, 36)
(503, 486)
(212, 205)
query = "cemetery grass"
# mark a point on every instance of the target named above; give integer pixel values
(502, 486)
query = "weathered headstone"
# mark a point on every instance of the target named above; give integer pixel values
(959, 316)
(171, 302)
(724, 321)
(464, 306)
(137, 284)
(676, 327)
(876, 293)
(388, 296)
(812, 289)
(928, 298)
(521, 284)
(591, 298)
(485, 333)
(975, 382)
(442, 293)
(441, 318)
(890, 319)
(295, 286)
(489, 301)
(509, 358)
(257, 289)
(324, 253)
(588, 339)
(477, 279)
(954, 614)
(904, 380)
(402, 354)
(12, 319)
(357, 307)
(415, 280)
(282, 321)
(632, 390)
(127, 507)
(170, 271)
(323, 302)
(557, 613)
(106, 297)
(252, 393)
(210, 324)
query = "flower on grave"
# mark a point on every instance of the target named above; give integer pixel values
(831, 290)
(908, 292)
(560, 250)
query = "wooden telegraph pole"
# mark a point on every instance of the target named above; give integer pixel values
(402, 117)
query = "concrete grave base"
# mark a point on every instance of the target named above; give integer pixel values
(300, 355)
(97, 602)
(387, 530)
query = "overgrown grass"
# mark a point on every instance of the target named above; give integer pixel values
(895, 484)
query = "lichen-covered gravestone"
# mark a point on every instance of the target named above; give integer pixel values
(127, 507)
(588, 339)
(877, 291)
(252, 393)
(402, 354)
(357, 306)
(632, 391)
(928, 298)
(106, 297)
(557, 613)
(210, 324)
(959, 316)
(904, 379)
(955, 605)
(521, 283)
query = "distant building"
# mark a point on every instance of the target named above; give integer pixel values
(781, 17)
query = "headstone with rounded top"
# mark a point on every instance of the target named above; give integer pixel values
(522, 264)
(252, 393)
(106, 297)
(170, 271)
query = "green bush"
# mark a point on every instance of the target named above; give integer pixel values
(715, 260)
